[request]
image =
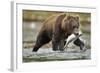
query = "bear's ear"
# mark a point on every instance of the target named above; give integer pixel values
(77, 17)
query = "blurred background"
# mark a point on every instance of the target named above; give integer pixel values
(32, 23)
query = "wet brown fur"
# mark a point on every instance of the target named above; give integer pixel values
(56, 28)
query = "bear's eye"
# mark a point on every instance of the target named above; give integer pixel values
(74, 26)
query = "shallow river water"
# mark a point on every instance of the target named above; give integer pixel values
(49, 55)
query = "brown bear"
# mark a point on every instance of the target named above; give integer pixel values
(57, 28)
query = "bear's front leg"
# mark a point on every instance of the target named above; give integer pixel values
(55, 43)
(61, 45)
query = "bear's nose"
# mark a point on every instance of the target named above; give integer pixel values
(76, 34)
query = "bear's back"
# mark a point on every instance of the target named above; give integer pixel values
(50, 22)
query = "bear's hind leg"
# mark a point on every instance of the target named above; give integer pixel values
(36, 47)
(41, 40)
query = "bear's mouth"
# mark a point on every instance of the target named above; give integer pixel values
(76, 31)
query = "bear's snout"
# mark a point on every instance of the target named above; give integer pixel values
(76, 31)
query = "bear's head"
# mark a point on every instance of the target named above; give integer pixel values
(71, 24)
